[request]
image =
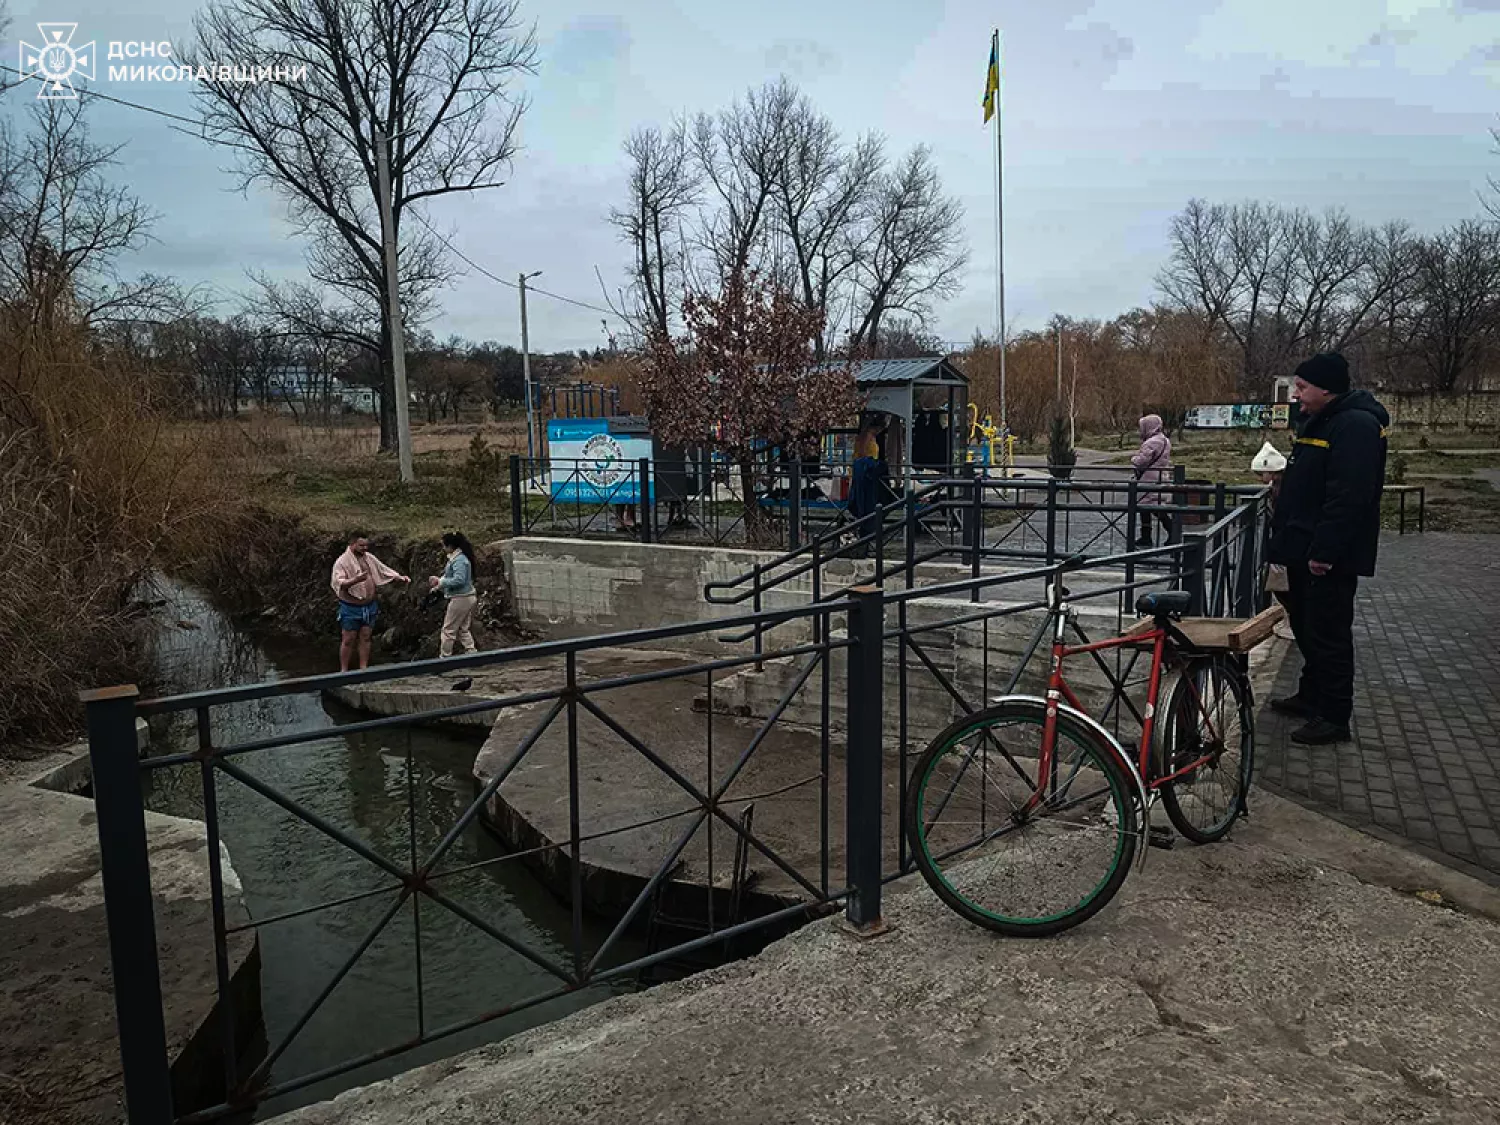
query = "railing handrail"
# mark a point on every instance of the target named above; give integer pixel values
(439, 665)
(749, 585)
(813, 549)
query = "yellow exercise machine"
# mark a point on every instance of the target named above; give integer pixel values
(988, 445)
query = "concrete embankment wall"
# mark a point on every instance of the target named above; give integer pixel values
(58, 1004)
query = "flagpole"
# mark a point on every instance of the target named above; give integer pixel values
(1000, 235)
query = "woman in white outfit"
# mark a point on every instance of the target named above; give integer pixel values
(457, 585)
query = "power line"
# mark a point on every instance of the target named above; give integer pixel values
(503, 281)
(86, 92)
(90, 93)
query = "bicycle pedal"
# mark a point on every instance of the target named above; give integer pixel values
(1163, 838)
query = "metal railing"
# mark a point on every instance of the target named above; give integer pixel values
(683, 501)
(417, 882)
(844, 728)
(974, 520)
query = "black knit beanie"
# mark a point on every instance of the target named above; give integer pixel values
(1328, 370)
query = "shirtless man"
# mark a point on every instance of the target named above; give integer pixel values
(357, 575)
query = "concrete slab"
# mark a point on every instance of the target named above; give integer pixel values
(59, 1055)
(620, 790)
(1247, 981)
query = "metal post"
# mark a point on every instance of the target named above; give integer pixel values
(1132, 515)
(526, 364)
(755, 604)
(1402, 529)
(967, 530)
(911, 538)
(1221, 502)
(1421, 508)
(1051, 520)
(517, 501)
(1194, 553)
(125, 870)
(1177, 500)
(864, 786)
(976, 521)
(648, 508)
(393, 299)
(794, 507)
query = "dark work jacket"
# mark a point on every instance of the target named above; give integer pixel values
(1329, 506)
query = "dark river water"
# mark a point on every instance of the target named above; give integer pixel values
(399, 792)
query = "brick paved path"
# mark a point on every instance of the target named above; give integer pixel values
(1425, 764)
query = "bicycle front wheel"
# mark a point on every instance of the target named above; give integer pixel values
(1208, 736)
(1012, 847)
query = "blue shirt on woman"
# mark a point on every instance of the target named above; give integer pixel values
(458, 576)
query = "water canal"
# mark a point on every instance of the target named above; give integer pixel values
(397, 790)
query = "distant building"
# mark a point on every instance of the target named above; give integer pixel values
(296, 383)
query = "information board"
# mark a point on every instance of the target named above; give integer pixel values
(591, 464)
(1239, 416)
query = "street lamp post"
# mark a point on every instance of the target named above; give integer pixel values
(526, 366)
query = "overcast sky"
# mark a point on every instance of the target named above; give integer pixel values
(1116, 113)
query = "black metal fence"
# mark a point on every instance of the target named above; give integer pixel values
(677, 501)
(841, 713)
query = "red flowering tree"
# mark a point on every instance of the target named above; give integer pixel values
(742, 380)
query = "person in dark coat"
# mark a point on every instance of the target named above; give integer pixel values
(1325, 531)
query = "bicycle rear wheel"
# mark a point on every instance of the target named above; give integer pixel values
(1020, 854)
(1208, 732)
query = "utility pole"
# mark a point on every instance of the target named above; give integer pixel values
(526, 364)
(393, 300)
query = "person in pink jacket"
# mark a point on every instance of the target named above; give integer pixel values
(1153, 465)
(357, 575)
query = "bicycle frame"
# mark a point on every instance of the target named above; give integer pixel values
(1059, 693)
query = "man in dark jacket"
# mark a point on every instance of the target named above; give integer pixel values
(1325, 530)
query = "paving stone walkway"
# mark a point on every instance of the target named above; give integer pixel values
(1425, 763)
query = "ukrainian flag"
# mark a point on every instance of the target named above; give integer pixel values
(992, 80)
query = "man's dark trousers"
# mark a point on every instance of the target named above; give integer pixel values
(1322, 616)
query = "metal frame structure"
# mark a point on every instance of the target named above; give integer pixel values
(1221, 564)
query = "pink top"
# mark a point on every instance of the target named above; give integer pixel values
(375, 573)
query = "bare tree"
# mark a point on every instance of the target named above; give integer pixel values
(825, 194)
(769, 187)
(1282, 283)
(916, 251)
(435, 76)
(742, 155)
(664, 186)
(63, 227)
(1458, 278)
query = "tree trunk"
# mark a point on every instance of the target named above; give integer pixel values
(756, 532)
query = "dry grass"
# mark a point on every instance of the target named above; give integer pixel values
(335, 479)
(96, 489)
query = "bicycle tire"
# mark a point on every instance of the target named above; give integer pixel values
(1218, 680)
(1100, 757)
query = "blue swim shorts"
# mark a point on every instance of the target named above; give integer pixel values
(353, 618)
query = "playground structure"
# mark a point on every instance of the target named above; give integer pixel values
(990, 446)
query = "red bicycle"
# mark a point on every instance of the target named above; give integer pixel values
(1026, 817)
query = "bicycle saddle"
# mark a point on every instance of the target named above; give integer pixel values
(1164, 603)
